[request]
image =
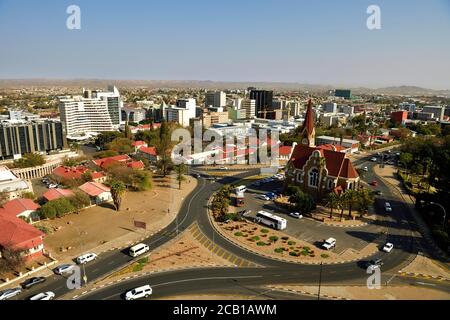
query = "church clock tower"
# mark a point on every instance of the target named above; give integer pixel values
(308, 132)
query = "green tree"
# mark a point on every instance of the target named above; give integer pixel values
(30, 160)
(118, 190)
(80, 200)
(56, 208)
(351, 197)
(180, 170)
(303, 202)
(332, 200)
(121, 146)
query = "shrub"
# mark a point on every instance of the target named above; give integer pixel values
(138, 267)
(278, 250)
(143, 260)
(238, 234)
(293, 254)
(44, 229)
(284, 238)
(255, 238)
(264, 231)
(324, 255)
(442, 238)
(56, 208)
(291, 243)
(260, 243)
(304, 253)
(273, 238)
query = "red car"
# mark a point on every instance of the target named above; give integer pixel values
(374, 183)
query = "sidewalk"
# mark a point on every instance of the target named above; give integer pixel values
(388, 175)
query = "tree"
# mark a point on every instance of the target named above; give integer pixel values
(303, 202)
(118, 190)
(163, 148)
(332, 202)
(4, 197)
(12, 259)
(351, 197)
(180, 170)
(406, 159)
(107, 137)
(365, 200)
(56, 208)
(80, 200)
(30, 160)
(121, 146)
(127, 131)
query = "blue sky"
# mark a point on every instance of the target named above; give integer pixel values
(317, 42)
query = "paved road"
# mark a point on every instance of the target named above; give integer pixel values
(215, 280)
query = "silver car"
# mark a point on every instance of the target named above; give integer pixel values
(63, 268)
(10, 293)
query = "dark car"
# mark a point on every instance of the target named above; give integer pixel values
(27, 284)
(374, 264)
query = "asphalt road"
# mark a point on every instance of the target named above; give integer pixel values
(218, 280)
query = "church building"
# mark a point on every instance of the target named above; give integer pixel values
(318, 170)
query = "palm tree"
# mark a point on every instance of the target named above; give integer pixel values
(332, 202)
(180, 171)
(342, 202)
(352, 198)
(118, 190)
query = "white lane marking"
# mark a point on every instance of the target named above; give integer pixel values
(199, 279)
(426, 284)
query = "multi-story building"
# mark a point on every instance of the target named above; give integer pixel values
(182, 112)
(249, 105)
(20, 137)
(438, 111)
(343, 93)
(133, 114)
(215, 99)
(329, 107)
(93, 112)
(211, 118)
(399, 117)
(263, 103)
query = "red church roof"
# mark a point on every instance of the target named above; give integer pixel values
(309, 118)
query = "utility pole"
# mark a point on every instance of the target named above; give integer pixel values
(320, 281)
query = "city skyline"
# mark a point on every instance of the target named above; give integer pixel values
(322, 43)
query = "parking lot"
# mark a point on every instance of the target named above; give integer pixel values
(310, 230)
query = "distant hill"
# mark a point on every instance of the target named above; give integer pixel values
(206, 84)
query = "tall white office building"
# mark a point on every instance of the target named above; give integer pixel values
(93, 112)
(182, 112)
(215, 99)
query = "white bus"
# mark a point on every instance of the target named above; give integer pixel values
(271, 220)
(240, 189)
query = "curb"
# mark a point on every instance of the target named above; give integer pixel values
(422, 275)
(310, 293)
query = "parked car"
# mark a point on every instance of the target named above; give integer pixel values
(365, 169)
(387, 207)
(27, 284)
(52, 186)
(388, 247)
(223, 168)
(64, 268)
(296, 215)
(43, 296)
(85, 258)
(374, 159)
(328, 244)
(263, 197)
(378, 193)
(374, 183)
(374, 264)
(138, 293)
(9, 293)
(271, 195)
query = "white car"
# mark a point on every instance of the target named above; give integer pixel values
(63, 268)
(52, 186)
(138, 293)
(365, 169)
(10, 293)
(296, 215)
(388, 247)
(263, 197)
(387, 207)
(330, 243)
(43, 296)
(373, 159)
(223, 168)
(85, 258)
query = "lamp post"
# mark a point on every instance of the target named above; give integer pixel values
(443, 209)
(82, 248)
(320, 281)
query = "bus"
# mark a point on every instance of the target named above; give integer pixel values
(271, 220)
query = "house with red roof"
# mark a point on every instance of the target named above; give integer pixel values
(98, 192)
(57, 193)
(16, 234)
(71, 173)
(20, 208)
(124, 159)
(148, 153)
(145, 127)
(284, 152)
(318, 170)
(138, 144)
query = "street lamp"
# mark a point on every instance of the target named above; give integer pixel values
(443, 209)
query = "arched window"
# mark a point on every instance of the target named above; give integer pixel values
(314, 178)
(330, 184)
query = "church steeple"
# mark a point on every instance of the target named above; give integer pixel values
(308, 132)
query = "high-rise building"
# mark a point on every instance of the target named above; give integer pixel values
(20, 137)
(184, 110)
(438, 111)
(93, 112)
(249, 105)
(215, 99)
(343, 93)
(330, 107)
(263, 100)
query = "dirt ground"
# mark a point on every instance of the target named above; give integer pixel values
(426, 266)
(100, 227)
(363, 293)
(257, 238)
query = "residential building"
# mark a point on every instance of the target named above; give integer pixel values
(124, 160)
(329, 107)
(148, 153)
(20, 137)
(318, 171)
(16, 234)
(98, 192)
(77, 173)
(348, 110)
(57, 193)
(353, 145)
(399, 117)
(21, 208)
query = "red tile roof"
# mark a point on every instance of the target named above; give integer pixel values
(119, 158)
(94, 188)
(17, 234)
(16, 207)
(332, 147)
(309, 118)
(70, 172)
(148, 150)
(136, 164)
(285, 150)
(336, 162)
(138, 143)
(54, 194)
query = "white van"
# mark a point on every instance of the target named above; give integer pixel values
(138, 249)
(240, 189)
(140, 292)
(85, 258)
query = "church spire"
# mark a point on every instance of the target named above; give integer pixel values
(308, 132)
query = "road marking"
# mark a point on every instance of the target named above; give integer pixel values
(200, 279)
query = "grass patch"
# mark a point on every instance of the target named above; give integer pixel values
(324, 255)
(278, 250)
(273, 238)
(238, 234)
(293, 254)
(260, 243)
(255, 238)
(291, 243)
(264, 231)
